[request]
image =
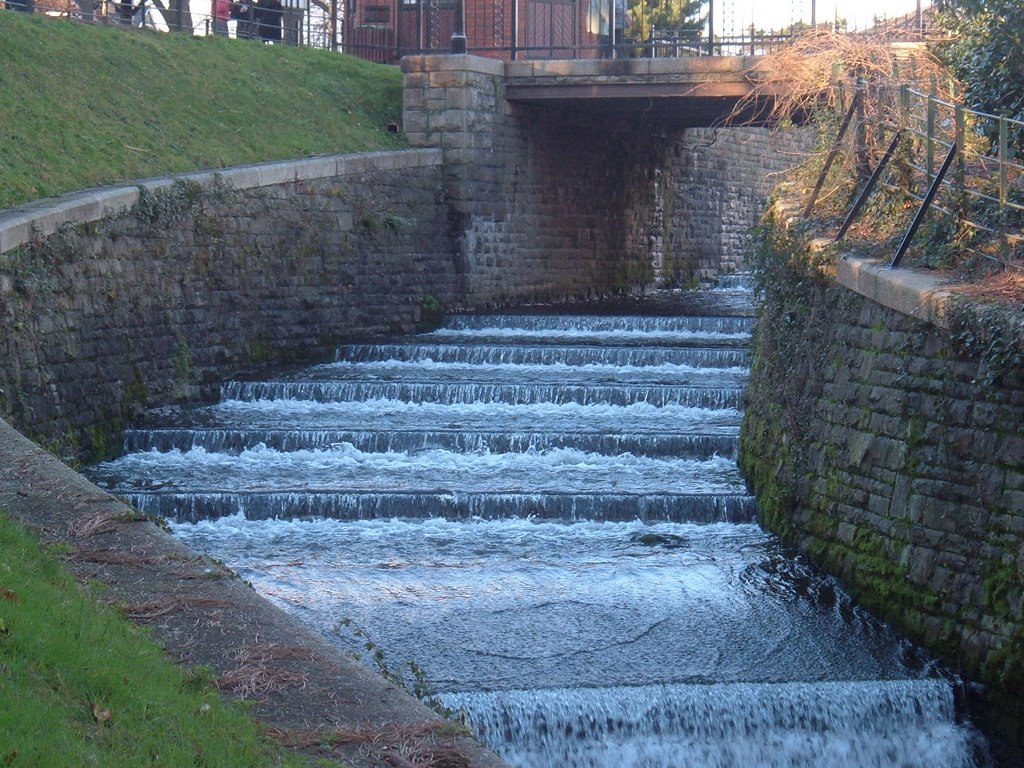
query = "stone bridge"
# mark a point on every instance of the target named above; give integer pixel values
(618, 166)
(677, 92)
(680, 93)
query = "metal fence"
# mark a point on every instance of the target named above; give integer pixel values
(386, 30)
(572, 29)
(290, 22)
(958, 165)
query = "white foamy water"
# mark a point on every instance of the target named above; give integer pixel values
(420, 370)
(347, 468)
(906, 723)
(536, 511)
(401, 414)
(583, 336)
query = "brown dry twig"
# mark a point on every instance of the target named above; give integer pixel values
(419, 745)
(153, 609)
(102, 522)
(1005, 287)
(802, 77)
(257, 672)
(114, 557)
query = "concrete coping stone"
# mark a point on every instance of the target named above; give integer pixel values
(441, 62)
(41, 218)
(917, 294)
(695, 66)
(924, 295)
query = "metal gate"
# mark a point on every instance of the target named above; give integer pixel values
(551, 29)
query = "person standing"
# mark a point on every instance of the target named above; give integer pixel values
(221, 14)
(602, 21)
(268, 20)
(242, 13)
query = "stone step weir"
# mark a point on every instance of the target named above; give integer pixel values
(543, 511)
(235, 441)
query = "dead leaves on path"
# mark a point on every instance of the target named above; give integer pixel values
(260, 670)
(422, 745)
(153, 609)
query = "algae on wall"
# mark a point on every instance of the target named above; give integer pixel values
(159, 304)
(891, 452)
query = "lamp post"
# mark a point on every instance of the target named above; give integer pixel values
(711, 27)
(458, 43)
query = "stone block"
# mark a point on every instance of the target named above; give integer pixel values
(910, 293)
(114, 200)
(456, 79)
(15, 229)
(271, 174)
(447, 120)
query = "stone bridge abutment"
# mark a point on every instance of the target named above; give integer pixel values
(579, 191)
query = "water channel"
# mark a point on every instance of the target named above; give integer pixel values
(544, 512)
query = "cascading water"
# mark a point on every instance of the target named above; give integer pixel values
(544, 512)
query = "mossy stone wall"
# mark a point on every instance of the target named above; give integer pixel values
(198, 282)
(891, 452)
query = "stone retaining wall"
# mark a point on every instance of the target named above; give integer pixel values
(719, 181)
(891, 451)
(103, 314)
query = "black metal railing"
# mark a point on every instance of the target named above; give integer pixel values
(386, 30)
(269, 21)
(957, 164)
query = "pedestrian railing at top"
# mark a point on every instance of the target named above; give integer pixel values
(956, 167)
(386, 30)
(269, 21)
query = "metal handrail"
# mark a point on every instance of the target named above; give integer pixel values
(401, 29)
(984, 193)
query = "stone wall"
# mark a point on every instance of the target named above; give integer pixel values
(206, 276)
(543, 197)
(718, 183)
(891, 451)
(578, 203)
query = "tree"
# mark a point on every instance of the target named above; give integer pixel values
(986, 53)
(670, 15)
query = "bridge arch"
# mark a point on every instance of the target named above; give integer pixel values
(595, 175)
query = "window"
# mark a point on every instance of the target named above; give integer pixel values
(376, 14)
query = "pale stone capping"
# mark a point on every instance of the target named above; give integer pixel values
(41, 218)
(445, 62)
(916, 294)
(923, 295)
(695, 66)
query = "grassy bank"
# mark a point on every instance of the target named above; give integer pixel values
(80, 686)
(82, 105)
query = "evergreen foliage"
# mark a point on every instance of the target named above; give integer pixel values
(986, 54)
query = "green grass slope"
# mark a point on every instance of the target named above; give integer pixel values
(83, 106)
(80, 686)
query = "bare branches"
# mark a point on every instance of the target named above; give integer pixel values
(259, 670)
(816, 71)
